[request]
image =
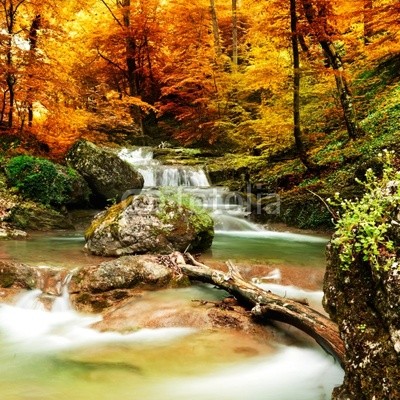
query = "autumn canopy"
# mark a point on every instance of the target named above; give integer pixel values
(238, 73)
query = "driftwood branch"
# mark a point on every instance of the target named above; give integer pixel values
(266, 305)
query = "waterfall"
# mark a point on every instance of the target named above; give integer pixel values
(30, 300)
(38, 300)
(228, 209)
(62, 302)
(157, 175)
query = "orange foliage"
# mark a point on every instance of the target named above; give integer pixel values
(90, 64)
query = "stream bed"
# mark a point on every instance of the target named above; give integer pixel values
(57, 355)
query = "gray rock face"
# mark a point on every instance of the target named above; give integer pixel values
(123, 273)
(7, 232)
(365, 302)
(15, 212)
(144, 224)
(96, 287)
(107, 175)
(99, 287)
(17, 275)
(35, 216)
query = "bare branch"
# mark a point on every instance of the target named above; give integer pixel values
(113, 15)
(110, 61)
(334, 215)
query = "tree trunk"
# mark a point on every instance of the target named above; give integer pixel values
(10, 84)
(215, 29)
(3, 106)
(368, 24)
(235, 59)
(320, 30)
(265, 304)
(10, 77)
(33, 34)
(296, 90)
(131, 64)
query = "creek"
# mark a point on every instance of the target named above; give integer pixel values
(58, 355)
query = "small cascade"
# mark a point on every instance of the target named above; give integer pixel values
(62, 303)
(157, 175)
(52, 298)
(30, 300)
(227, 208)
(30, 327)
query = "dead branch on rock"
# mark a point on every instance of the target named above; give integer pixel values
(266, 305)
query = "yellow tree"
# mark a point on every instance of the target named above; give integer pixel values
(126, 45)
(193, 90)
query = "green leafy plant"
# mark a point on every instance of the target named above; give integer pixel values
(363, 226)
(38, 179)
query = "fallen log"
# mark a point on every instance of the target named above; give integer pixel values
(266, 305)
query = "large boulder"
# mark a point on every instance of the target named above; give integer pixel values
(37, 217)
(362, 291)
(122, 273)
(366, 305)
(17, 275)
(45, 182)
(15, 212)
(146, 224)
(108, 176)
(98, 287)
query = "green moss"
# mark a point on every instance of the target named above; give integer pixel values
(40, 180)
(107, 218)
(7, 279)
(173, 205)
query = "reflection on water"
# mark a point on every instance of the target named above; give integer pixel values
(270, 247)
(62, 250)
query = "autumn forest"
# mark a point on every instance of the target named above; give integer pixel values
(175, 175)
(230, 73)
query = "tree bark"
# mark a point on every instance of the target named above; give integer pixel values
(10, 77)
(33, 35)
(132, 77)
(235, 58)
(296, 90)
(266, 305)
(215, 29)
(320, 28)
(3, 106)
(10, 84)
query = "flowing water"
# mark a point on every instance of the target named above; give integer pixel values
(56, 354)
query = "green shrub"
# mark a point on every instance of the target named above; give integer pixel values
(39, 179)
(363, 226)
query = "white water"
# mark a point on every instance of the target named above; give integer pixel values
(313, 297)
(292, 374)
(285, 236)
(292, 292)
(157, 175)
(227, 208)
(33, 339)
(29, 327)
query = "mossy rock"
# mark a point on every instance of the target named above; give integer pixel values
(108, 177)
(43, 181)
(32, 216)
(146, 224)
